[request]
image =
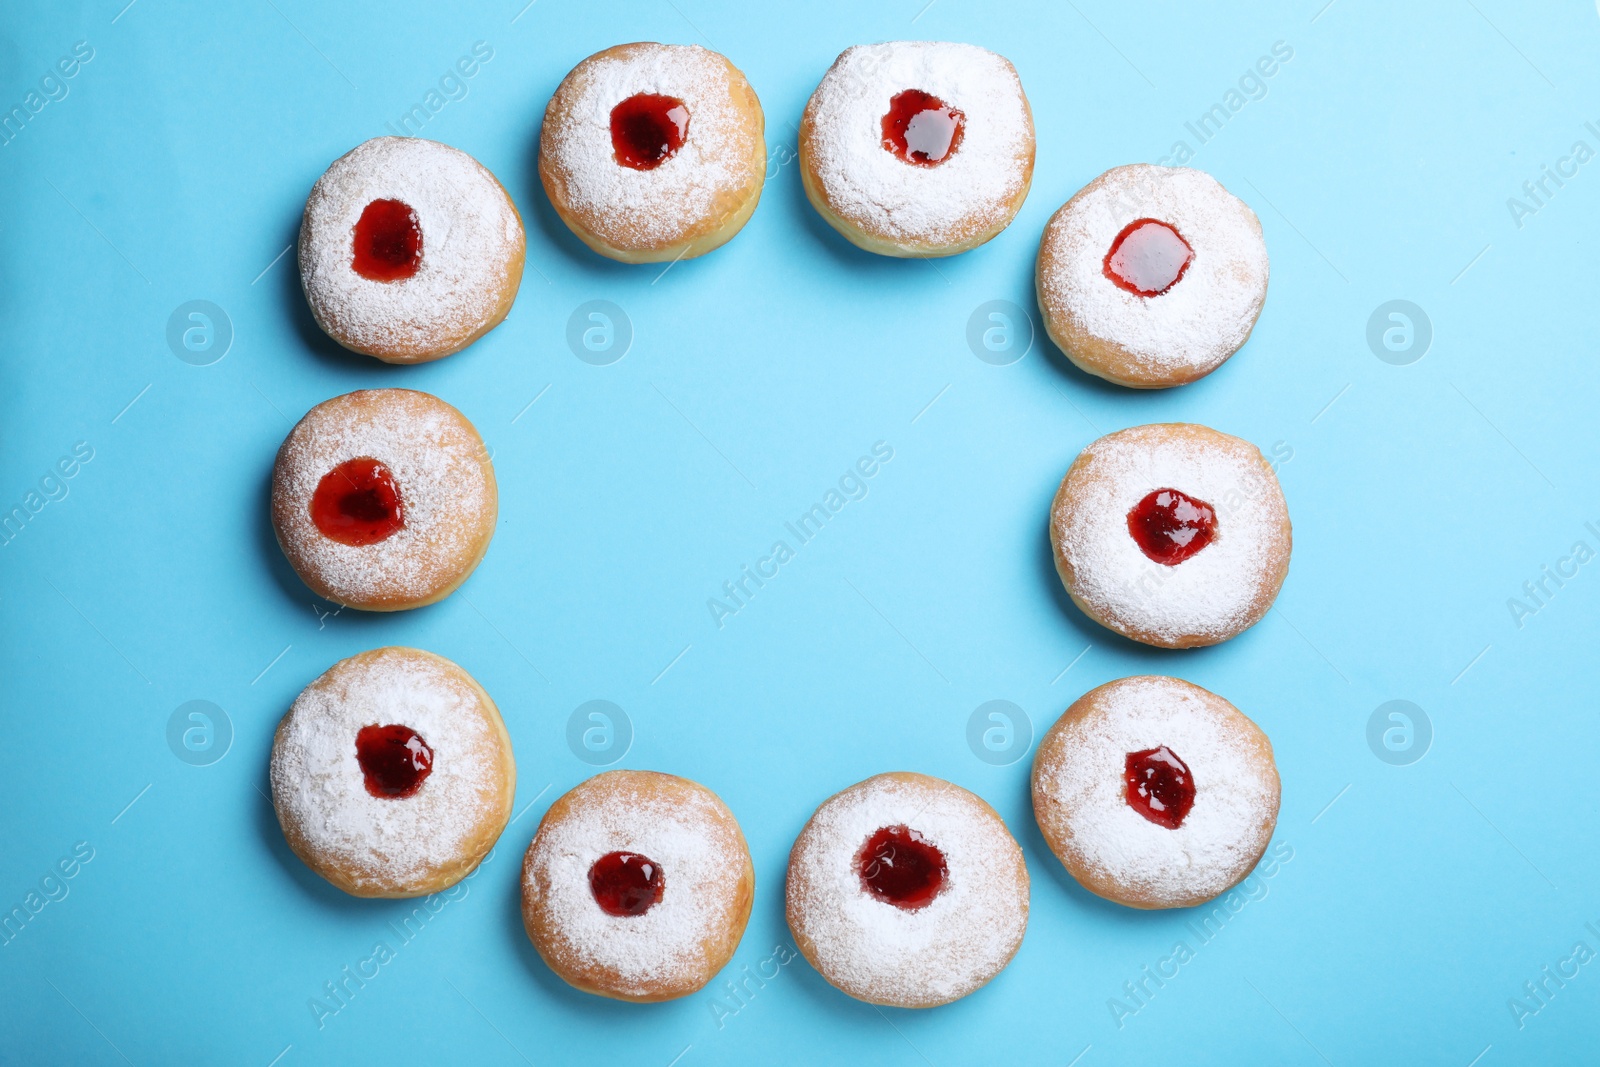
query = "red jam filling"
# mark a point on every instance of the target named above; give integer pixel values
(1147, 257)
(1169, 526)
(388, 242)
(358, 503)
(920, 128)
(394, 759)
(647, 129)
(1159, 786)
(901, 867)
(625, 883)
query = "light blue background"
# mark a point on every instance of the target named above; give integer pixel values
(1380, 161)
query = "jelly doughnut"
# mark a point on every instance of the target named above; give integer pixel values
(637, 886)
(409, 250)
(917, 148)
(906, 890)
(383, 499)
(392, 774)
(1151, 276)
(1171, 534)
(1155, 793)
(653, 152)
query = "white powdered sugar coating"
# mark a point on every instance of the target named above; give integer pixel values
(702, 857)
(630, 208)
(1206, 316)
(387, 843)
(881, 953)
(1214, 593)
(447, 494)
(471, 238)
(966, 194)
(1082, 769)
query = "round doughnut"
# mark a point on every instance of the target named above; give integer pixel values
(908, 891)
(917, 148)
(1155, 793)
(637, 886)
(653, 152)
(1171, 534)
(383, 499)
(392, 774)
(1151, 276)
(409, 250)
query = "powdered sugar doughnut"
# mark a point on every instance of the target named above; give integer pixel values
(917, 148)
(383, 499)
(1172, 534)
(409, 250)
(906, 890)
(653, 152)
(1152, 276)
(637, 886)
(1155, 793)
(392, 774)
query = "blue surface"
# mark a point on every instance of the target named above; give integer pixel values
(1420, 897)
